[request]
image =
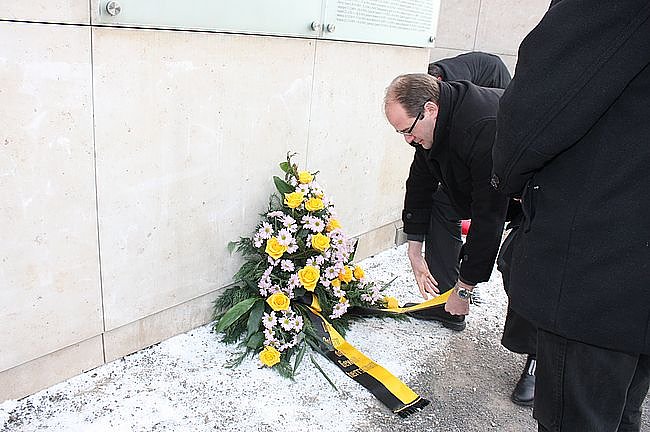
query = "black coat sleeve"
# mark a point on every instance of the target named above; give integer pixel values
(562, 88)
(488, 208)
(420, 186)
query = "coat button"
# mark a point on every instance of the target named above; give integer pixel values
(409, 216)
(495, 181)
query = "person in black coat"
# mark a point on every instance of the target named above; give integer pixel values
(452, 126)
(519, 335)
(482, 69)
(573, 142)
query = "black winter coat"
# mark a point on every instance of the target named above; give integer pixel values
(574, 138)
(461, 162)
(481, 68)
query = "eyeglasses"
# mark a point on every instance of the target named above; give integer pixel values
(409, 130)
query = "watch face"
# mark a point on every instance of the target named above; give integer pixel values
(463, 293)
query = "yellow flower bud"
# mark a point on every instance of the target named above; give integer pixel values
(320, 242)
(336, 283)
(332, 224)
(346, 275)
(391, 302)
(278, 301)
(305, 177)
(309, 276)
(274, 248)
(358, 273)
(314, 204)
(342, 300)
(270, 356)
(293, 199)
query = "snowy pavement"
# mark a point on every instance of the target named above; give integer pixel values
(182, 385)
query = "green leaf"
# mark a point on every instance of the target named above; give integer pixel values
(323, 372)
(256, 340)
(282, 186)
(255, 317)
(231, 246)
(384, 286)
(299, 356)
(234, 313)
(284, 166)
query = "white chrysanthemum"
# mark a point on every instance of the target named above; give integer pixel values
(339, 309)
(269, 337)
(269, 320)
(298, 323)
(284, 237)
(265, 231)
(287, 265)
(294, 280)
(286, 322)
(293, 247)
(331, 273)
(257, 241)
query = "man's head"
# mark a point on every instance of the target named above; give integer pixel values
(436, 71)
(411, 107)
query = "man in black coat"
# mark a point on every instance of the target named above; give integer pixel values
(519, 335)
(573, 141)
(482, 69)
(452, 126)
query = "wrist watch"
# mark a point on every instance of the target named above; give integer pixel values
(465, 294)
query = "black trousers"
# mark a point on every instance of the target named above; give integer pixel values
(442, 250)
(443, 242)
(586, 388)
(519, 335)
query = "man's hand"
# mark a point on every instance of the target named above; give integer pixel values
(426, 283)
(456, 305)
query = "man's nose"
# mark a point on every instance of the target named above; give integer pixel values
(409, 139)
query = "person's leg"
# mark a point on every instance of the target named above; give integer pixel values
(442, 247)
(443, 242)
(581, 387)
(636, 394)
(519, 335)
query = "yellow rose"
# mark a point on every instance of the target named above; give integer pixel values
(332, 225)
(278, 301)
(314, 204)
(320, 242)
(270, 356)
(358, 273)
(391, 302)
(305, 177)
(293, 199)
(346, 275)
(274, 248)
(336, 283)
(309, 277)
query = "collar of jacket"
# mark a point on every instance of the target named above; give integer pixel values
(441, 131)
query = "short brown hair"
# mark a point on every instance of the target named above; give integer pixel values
(412, 91)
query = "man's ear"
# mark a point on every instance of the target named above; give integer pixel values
(432, 109)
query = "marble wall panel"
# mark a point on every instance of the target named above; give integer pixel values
(64, 11)
(50, 369)
(363, 162)
(503, 24)
(49, 272)
(189, 132)
(457, 24)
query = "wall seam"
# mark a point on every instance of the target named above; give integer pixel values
(478, 19)
(99, 249)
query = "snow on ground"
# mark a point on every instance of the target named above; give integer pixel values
(182, 385)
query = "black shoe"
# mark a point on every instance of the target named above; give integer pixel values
(524, 392)
(438, 313)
